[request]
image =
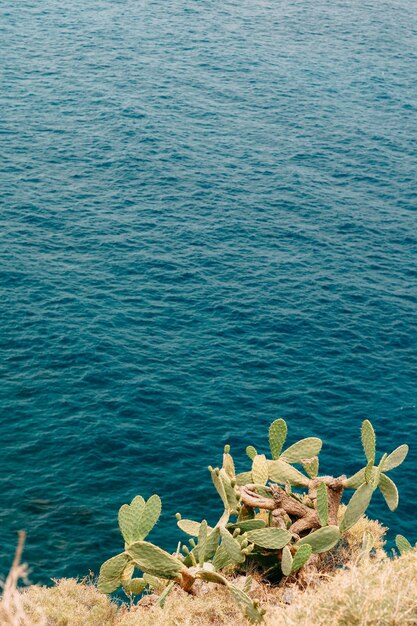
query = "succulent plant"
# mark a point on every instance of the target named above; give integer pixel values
(311, 466)
(403, 544)
(357, 506)
(321, 540)
(277, 436)
(271, 538)
(274, 517)
(322, 504)
(372, 477)
(301, 557)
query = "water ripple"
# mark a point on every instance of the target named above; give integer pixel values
(208, 221)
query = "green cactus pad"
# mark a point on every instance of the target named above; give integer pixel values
(212, 543)
(282, 472)
(155, 561)
(322, 539)
(202, 534)
(355, 481)
(389, 491)
(311, 466)
(228, 464)
(125, 518)
(403, 544)
(245, 478)
(286, 561)
(357, 506)
(157, 584)
(127, 574)
(368, 441)
(162, 598)
(110, 577)
(137, 507)
(250, 524)
(202, 542)
(264, 492)
(277, 436)
(137, 585)
(150, 515)
(231, 496)
(251, 452)
(232, 546)
(395, 458)
(137, 519)
(218, 483)
(382, 461)
(301, 557)
(260, 469)
(369, 471)
(254, 615)
(322, 504)
(190, 527)
(221, 558)
(303, 449)
(372, 474)
(271, 538)
(211, 577)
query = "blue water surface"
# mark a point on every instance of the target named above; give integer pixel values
(208, 221)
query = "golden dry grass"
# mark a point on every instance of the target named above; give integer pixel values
(70, 603)
(368, 591)
(380, 592)
(15, 609)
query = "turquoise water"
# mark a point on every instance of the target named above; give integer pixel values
(208, 221)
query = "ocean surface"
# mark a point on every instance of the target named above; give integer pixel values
(208, 221)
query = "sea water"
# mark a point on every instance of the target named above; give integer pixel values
(208, 221)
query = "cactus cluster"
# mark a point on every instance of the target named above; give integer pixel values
(275, 517)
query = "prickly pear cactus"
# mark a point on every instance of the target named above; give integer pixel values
(137, 519)
(273, 517)
(357, 506)
(321, 540)
(271, 538)
(301, 557)
(403, 545)
(155, 561)
(277, 436)
(322, 504)
(286, 561)
(111, 572)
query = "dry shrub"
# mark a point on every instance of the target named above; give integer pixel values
(70, 603)
(14, 611)
(374, 592)
(214, 608)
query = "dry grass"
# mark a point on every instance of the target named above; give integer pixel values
(375, 591)
(70, 603)
(15, 609)
(372, 593)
